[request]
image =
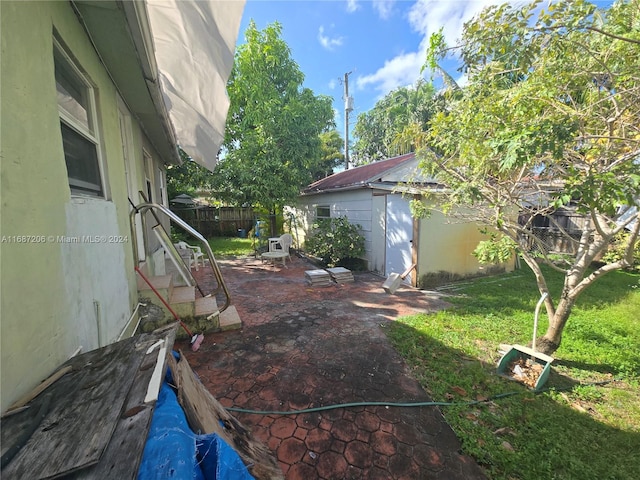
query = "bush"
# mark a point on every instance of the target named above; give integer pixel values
(616, 251)
(334, 239)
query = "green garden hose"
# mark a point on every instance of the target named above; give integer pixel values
(405, 404)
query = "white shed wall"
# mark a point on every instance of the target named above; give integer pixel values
(356, 205)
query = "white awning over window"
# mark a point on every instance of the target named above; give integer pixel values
(194, 49)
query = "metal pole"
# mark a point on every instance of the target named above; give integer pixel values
(346, 120)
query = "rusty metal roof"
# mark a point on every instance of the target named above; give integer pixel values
(360, 176)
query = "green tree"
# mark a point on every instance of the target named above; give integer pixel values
(188, 178)
(272, 141)
(331, 144)
(549, 119)
(377, 131)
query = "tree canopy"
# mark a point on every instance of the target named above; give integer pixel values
(272, 142)
(549, 119)
(331, 145)
(377, 130)
(188, 178)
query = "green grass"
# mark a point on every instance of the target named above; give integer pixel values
(572, 430)
(231, 246)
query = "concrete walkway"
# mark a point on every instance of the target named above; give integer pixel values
(305, 347)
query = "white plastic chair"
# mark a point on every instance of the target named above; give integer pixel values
(195, 256)
(285, 241)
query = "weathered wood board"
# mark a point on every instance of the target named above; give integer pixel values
(122, 456)
(104, 393)
(206, 415)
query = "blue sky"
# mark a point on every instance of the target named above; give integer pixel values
(382, 42)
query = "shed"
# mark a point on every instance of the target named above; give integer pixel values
(377, 197)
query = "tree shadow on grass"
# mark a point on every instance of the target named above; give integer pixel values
(609, 289)
(517, 433)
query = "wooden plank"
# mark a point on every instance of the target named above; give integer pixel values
(40, 388)
(121, 459)
(86, 406)
(205, 414)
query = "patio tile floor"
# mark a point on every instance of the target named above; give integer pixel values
(303, 347)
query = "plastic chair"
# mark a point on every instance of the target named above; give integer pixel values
(285, 241)
(195, 256)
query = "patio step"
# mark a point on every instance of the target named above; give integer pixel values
(230, 320)
(207, 315)
(162, 283)
(183, 301)
(200, 314)
(206, 306)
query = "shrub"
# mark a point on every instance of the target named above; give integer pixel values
(616, 251)
(334, 240)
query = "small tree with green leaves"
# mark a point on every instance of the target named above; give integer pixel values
(549, 119)
(335, 240)
(272, 141)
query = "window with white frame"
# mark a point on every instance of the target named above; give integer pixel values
(78, 125)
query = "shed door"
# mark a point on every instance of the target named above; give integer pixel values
(399, 236)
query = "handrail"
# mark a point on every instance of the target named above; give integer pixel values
(144, 229)
(143, 207)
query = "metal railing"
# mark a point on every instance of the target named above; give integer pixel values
(153, 207)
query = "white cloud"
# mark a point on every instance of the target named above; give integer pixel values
(328, 42)
(428, 16)
(462, 80)
(352, 6)
(383, 7)
(337, 116)
(401, 70)
(333, 83)
(425, 17)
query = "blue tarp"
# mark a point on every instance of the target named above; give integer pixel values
(174, 451)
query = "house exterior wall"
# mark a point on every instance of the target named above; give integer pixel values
(72, 284)
(446, 246)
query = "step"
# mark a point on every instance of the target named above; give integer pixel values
(183, 300)
(162, 283)
(230, 320)
(206, 306)
(207, 318)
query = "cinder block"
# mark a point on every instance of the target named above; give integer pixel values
(392, 283)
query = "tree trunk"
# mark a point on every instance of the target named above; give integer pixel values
(552, 338)
(273, 223)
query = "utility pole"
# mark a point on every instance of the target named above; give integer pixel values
(348, 107)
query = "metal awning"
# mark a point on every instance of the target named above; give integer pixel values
(194, 49)
(170, 60)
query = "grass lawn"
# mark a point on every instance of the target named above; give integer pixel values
(573, 429)
(231, 246)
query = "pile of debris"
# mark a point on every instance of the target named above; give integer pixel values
(340, 274)
(526, 371)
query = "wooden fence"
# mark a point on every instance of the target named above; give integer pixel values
(555, 236)
(218, 221)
